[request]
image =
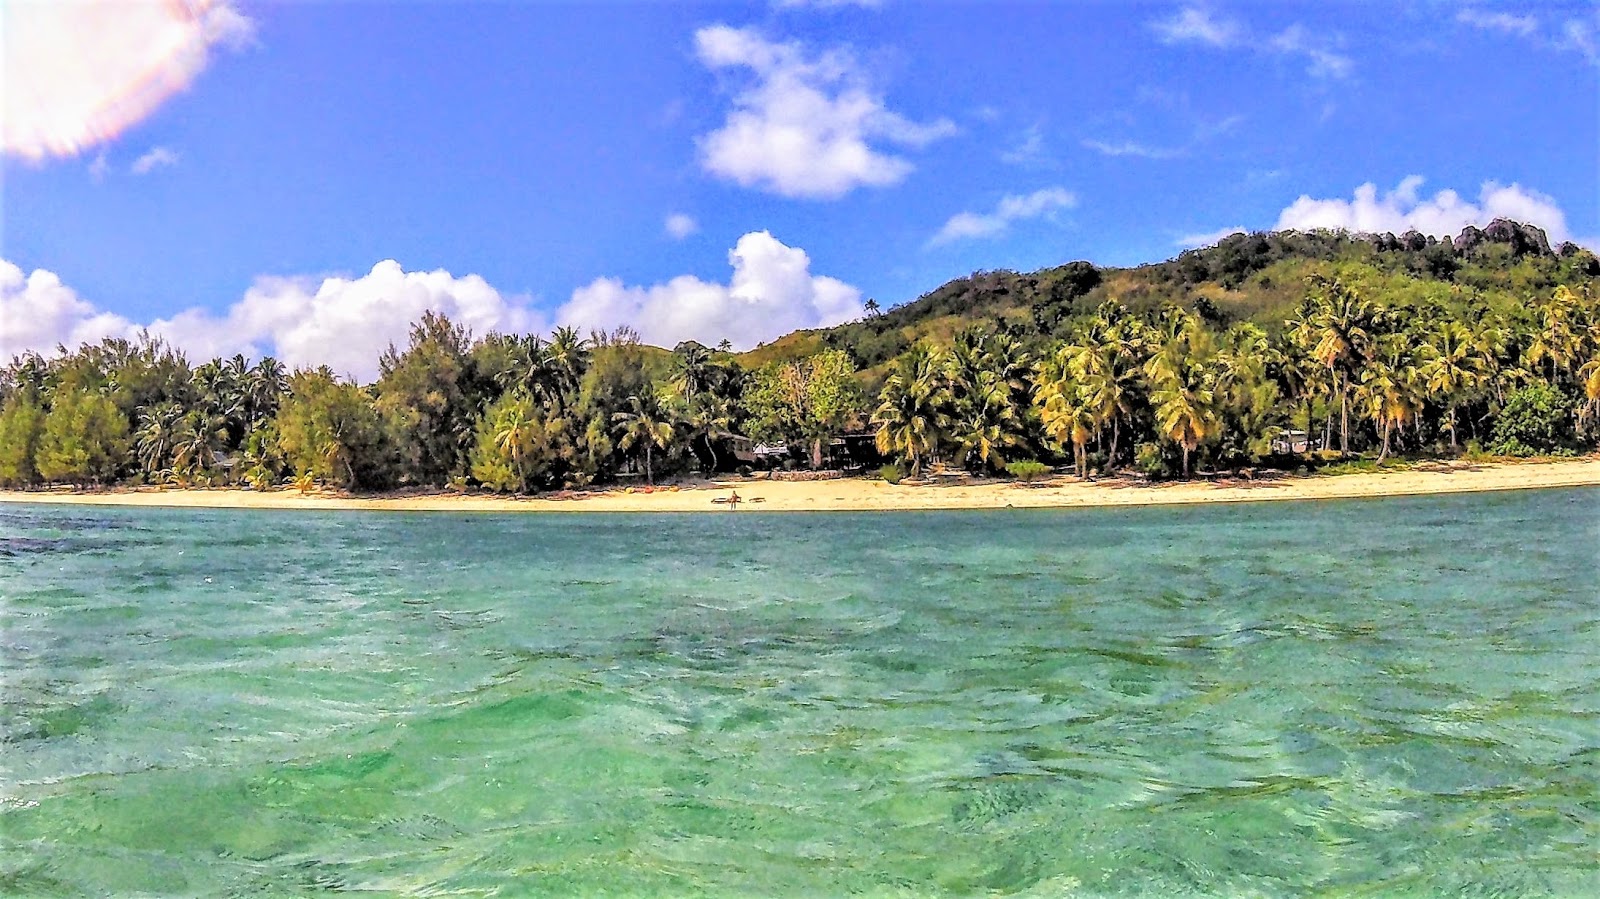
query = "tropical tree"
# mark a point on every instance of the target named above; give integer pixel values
(84, 438)
(1182, 377)
(1451, 370)
(1342, 323)
(644, 425)
(21, 425)
(911, 418)
(1388, 391)
(1067, 418)
(329, 429)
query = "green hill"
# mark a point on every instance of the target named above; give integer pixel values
(1257, 277)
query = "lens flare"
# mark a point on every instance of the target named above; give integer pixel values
(79, 72)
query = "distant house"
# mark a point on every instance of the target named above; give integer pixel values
(1294, 442)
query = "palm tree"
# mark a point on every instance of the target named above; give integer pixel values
(1343, 323)
(1183, 376)
(1066, 418)
(1451, 371)
(643, 424)
(568, 358)
(709, 418)
(989, 422)
(265, 387)
(1388, 391)
(516, 430)
(156, 436)
(911, 418)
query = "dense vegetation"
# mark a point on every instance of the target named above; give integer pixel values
(1224, 357)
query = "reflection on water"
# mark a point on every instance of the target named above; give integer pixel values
(1396, 697)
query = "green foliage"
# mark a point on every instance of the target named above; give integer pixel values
(21, 426)
(1028, 470)
(84, 439)
(1152, 460)
(427, 398)
(806, 399)
(891, 473)
(521, 446)
(1536, 419)
(328, 429)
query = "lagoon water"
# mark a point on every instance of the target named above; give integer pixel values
(1393, 697)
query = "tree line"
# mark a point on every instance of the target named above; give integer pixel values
(1167, 391)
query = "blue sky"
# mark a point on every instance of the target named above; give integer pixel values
(519, 163)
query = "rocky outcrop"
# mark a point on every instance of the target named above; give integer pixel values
(1523, 239)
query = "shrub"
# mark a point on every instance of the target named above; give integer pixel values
(1536, 419)
(1476, 453)
(1152, 460)
(891, 473)
(1028, 470)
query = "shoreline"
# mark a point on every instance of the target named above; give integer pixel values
(864, 495)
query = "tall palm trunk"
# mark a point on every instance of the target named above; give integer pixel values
(1383, 452)
(1344, 413)
(649, 477)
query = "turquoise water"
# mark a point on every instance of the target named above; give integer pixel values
(1358, 698)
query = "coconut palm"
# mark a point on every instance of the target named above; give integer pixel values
(1388, 391)
(1343, 324)
(1451, 370)
(1183, 376)
(911, 418)
(989, 422)
(156, 436)
(643, 424)
(1066, 418)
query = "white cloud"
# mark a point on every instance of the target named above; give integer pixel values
(1029, 151)
(1012, 208)
(771, 293)
(1442, 215)
(1571, 35)
(158, 157)
(37, 312)
(1190, 241)
(76, 74)
(1322, 62)
(1578, 35)
(1524, 26)
(345, 323)
(679, 225)
(809, 126)
(1133, 148)
(99, 167)
(1193, 25)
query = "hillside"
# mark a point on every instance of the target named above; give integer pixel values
(1257, 277)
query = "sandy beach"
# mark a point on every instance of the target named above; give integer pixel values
(862, 495)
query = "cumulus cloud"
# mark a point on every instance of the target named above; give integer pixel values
(77, 74)
(808, 126)
(345, 323)
(157, 158)
(1012, 208)
(772, 292)
(37, 312)
(679, 225)
(1444, 214)
(1196, 25)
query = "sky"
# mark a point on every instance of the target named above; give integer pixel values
(305, 179)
